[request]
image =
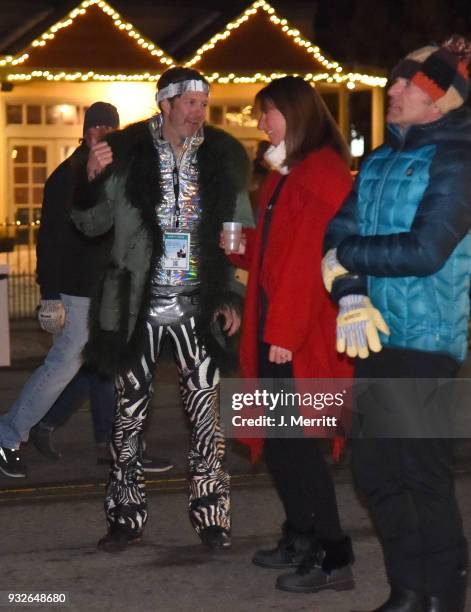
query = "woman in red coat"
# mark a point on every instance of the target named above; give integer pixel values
(289, 320)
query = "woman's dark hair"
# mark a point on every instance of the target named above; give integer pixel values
(309, 124)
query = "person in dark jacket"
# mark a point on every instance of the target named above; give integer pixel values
(400, 248)
(172, 182)
(69, 266)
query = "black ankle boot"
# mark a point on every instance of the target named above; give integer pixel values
(117, 540)
(292, 548)
(215, 538)
(454, 600)
(402, 600)
(41, 437)
(326, 566)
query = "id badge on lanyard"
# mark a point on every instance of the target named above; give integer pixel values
(176, 251)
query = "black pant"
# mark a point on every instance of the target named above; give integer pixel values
(87, 384)
(300, 472)
(409, 484)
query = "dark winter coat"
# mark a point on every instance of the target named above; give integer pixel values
(68, 261)
(126, 199)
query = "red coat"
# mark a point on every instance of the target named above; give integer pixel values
(301, 316)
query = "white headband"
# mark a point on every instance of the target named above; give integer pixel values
(177, 89)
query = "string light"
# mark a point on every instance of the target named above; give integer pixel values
(334, 70)
(81, 10)
(80, 76)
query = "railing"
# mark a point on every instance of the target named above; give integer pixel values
(18, 251)
(23, 295)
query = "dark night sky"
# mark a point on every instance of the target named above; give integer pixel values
(380, 32)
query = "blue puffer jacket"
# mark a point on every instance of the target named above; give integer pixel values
(403, 233)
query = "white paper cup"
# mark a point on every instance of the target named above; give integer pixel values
(232, 235)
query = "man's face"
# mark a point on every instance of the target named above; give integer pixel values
(184, 115)
(96, 133)
(410, 105)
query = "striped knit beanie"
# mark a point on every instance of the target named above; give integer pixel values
(441, 72)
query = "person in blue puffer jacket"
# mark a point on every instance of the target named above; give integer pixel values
(398, 262)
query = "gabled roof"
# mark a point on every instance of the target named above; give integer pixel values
(92, 42)
(259, 46)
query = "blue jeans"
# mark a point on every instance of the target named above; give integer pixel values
(62, 363)
(88, 384)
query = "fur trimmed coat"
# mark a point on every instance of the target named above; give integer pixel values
(125, 198)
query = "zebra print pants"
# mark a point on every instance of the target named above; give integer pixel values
(209, 496)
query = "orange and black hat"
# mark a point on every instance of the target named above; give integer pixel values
(440, 71)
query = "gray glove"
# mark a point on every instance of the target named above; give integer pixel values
(51, 316)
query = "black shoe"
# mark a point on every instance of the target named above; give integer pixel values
(403, 600)
(454, 600)
(326, 566)
(41, 437)
(437, 604)
(290, 551)
(117, 540)
(216, 538)
(11, 464)
(155, 464)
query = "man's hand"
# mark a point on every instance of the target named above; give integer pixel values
(358, 323)
(331, 269)
(277, 354)
(232, 320)
(51, 316)
(99, 158)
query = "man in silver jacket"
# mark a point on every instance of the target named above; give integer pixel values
(166, 185)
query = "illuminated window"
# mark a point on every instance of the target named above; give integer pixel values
(45, 114)
(29, 170)
(232, 116)
(240, 116)
(14, 114)
(33, 114)
(62, 114)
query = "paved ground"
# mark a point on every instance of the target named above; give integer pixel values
(51, 521)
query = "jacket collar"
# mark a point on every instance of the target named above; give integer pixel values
(454, 125)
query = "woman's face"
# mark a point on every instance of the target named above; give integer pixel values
(273, 123)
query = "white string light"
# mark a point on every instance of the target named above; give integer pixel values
(334, 69)
(44, 39)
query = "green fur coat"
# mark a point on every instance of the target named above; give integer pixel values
(124, 199)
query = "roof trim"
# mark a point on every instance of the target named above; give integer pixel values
(332, 71)
(15, 61)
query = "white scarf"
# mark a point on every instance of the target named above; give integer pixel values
(276, 157)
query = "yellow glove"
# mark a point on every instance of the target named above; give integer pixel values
(358, 323)
(331, 269)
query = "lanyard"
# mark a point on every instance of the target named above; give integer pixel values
(176, 191)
